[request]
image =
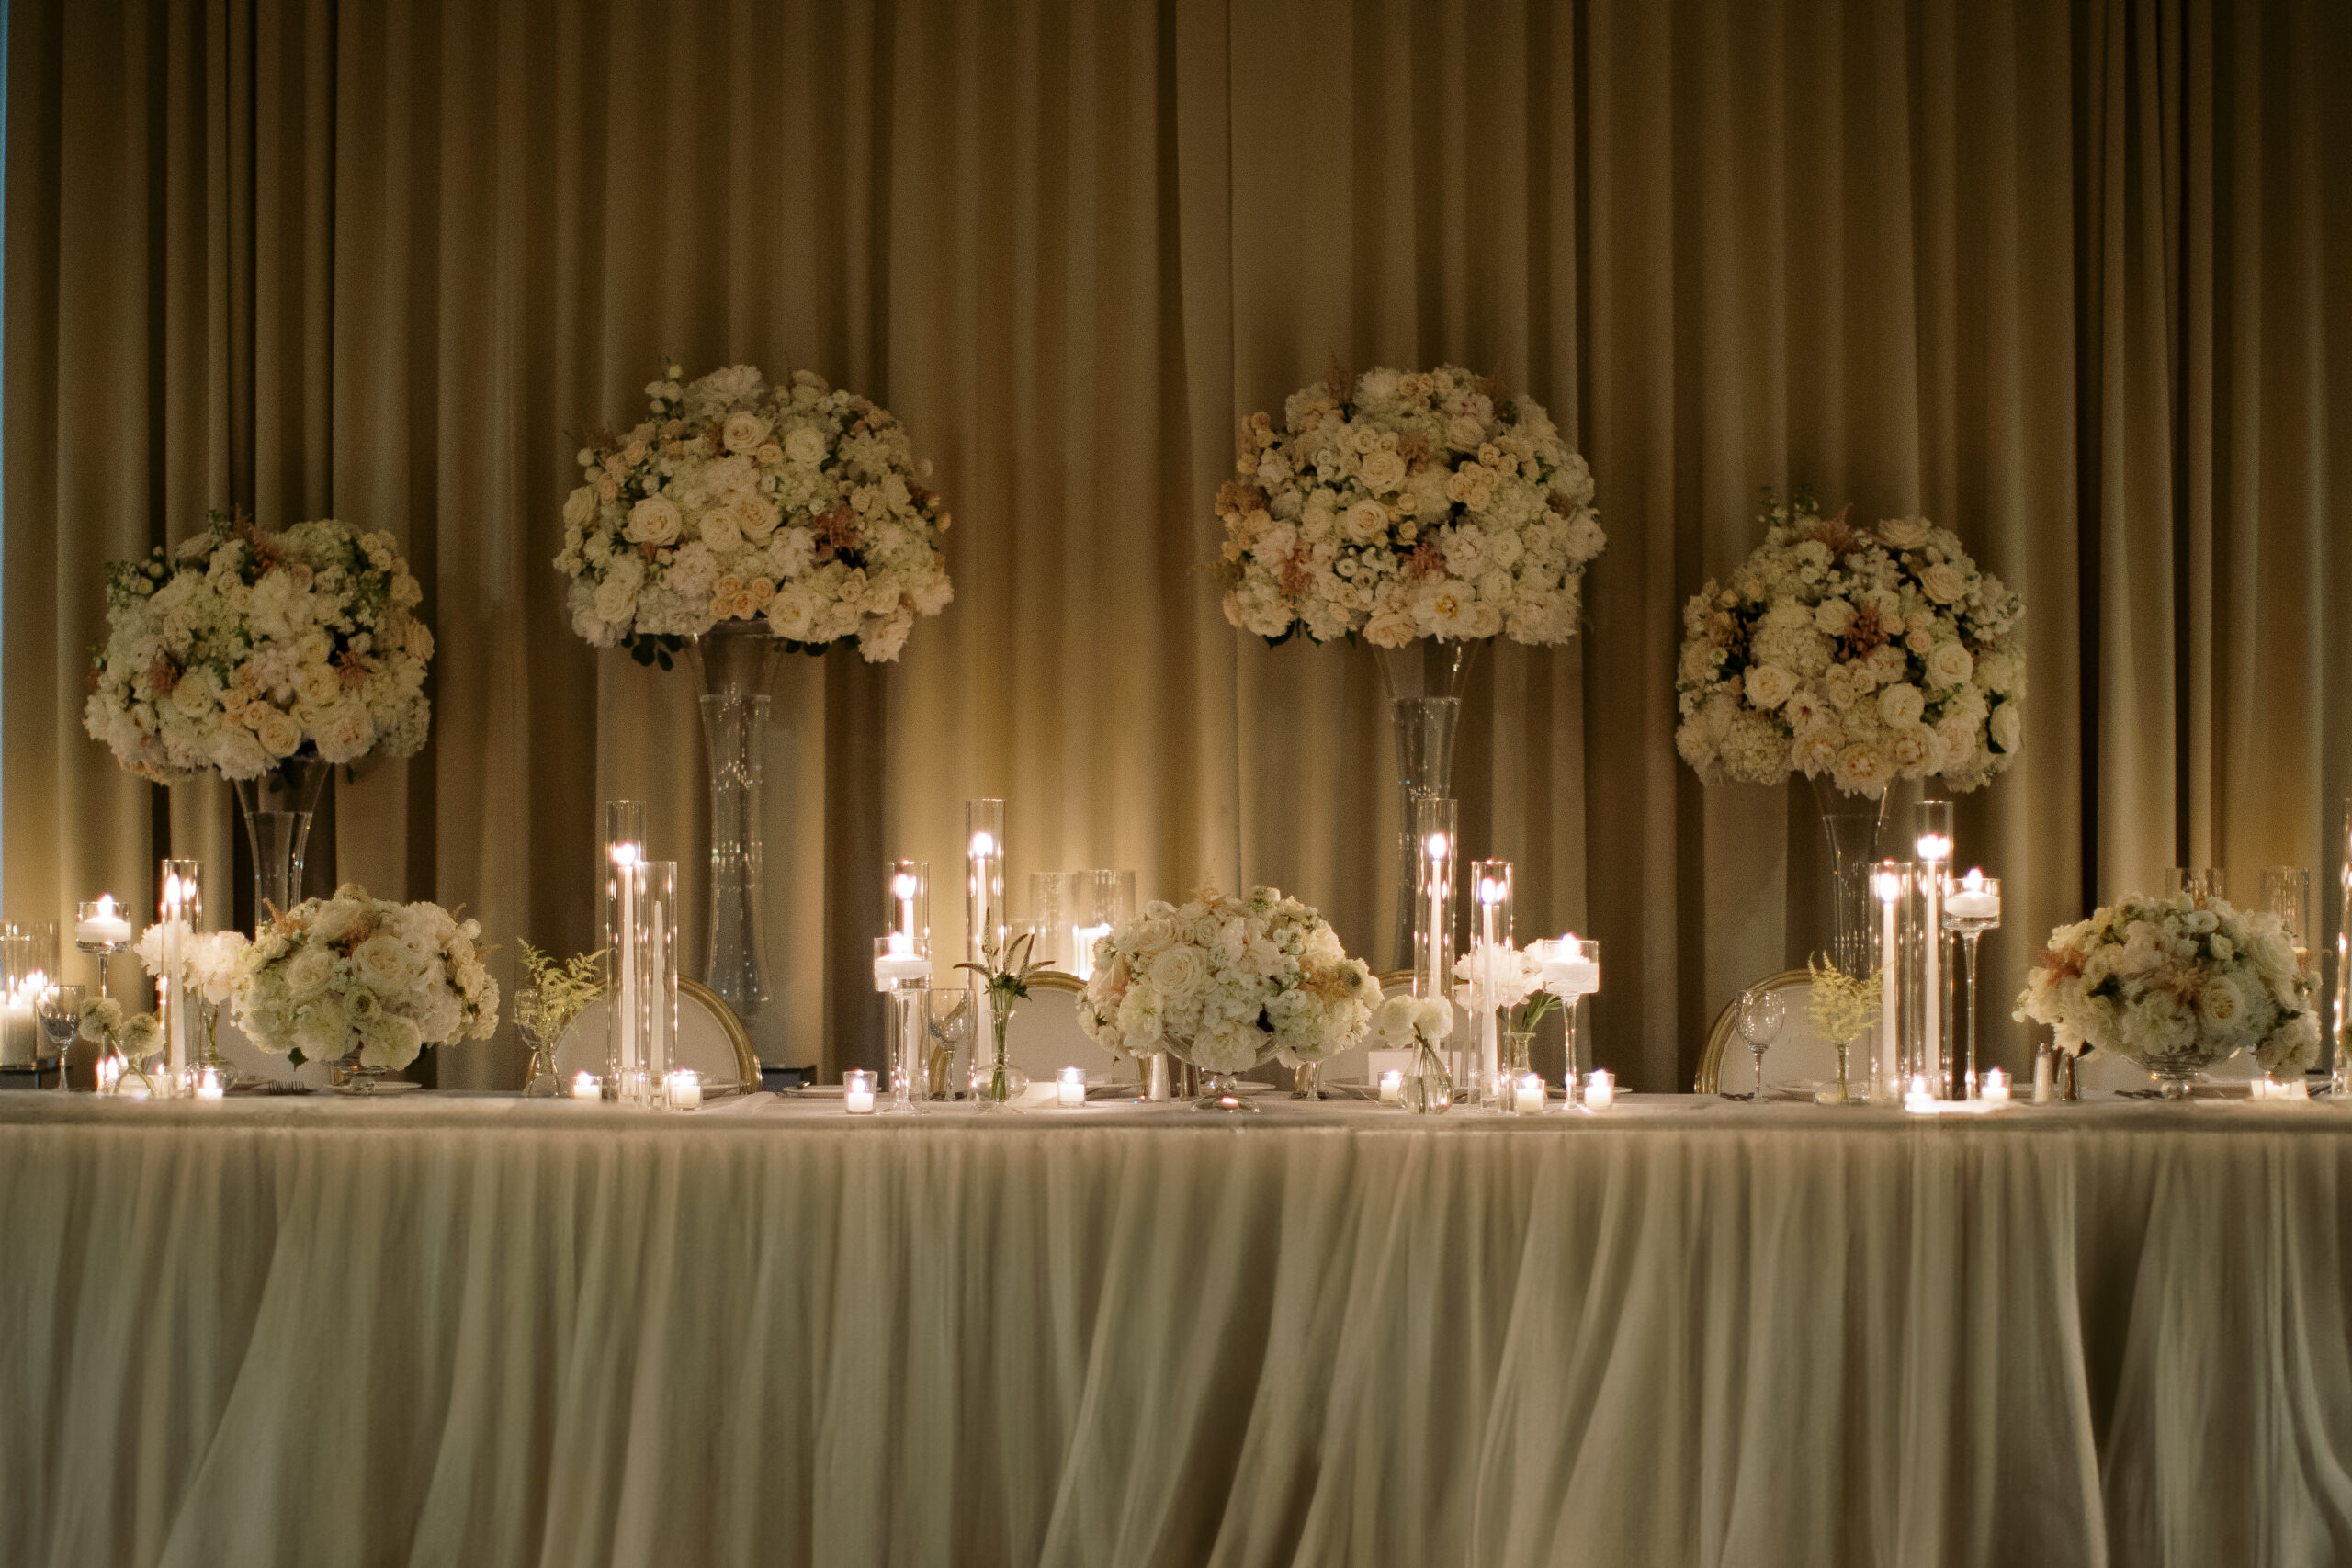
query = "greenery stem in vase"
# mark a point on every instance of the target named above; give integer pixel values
(554, 995)
(1841, 1006)
(1005, 970)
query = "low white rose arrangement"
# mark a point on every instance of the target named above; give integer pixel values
(2175, 987)
(1226, 982)
(243, 648)
(1863, 654)
(1417, 505)
(791, 505)
(331, 977)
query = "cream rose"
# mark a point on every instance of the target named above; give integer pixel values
(1178, 972)
(1769, 686)
(1382, 470)
(805, 447)
(1942, 582)
(1901, 705)
(382, 963)
(654, 520)
(1949, 664)
(1904, 532)
(743, 430)
(276, 728)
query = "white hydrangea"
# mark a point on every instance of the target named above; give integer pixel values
(1862, 654)
(353, 974)
(1226, 982)
(2170, 983)
(1426, 506)
(790, 503)
(243, 648)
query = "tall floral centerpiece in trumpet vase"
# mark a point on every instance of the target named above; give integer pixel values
(270, 657)
(2176, 985)
(363, 982)
(745, 518)
(1855, 654)
(1225, 984)
(1425, 512)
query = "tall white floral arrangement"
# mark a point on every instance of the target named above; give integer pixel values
(1417, 505)
(1225, 982)
(355, 973)
(243, 648)
(791, 505)
(2168, 982)
(1867, 654)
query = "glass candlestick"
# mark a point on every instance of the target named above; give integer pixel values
(1490, 949)
(102, 929)
(987, 925)
(624, 854)
(1933, 843)
(1436, 837)
(903, 974)
(180, 910)
(1972, 908)
(656, 1024)
(1891, 882)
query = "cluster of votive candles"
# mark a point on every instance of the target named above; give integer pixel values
(1527, 1092)
(681, 1090)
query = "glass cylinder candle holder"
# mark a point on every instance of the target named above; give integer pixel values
(1891, 884)
(2201, 883)
(180, 911)
(1932, 842)
(1102, 900)
(1572, 972)
(1437, 841)
(987, 924)
(904, 980)
(20, 982)
(2287, 893)
(2340, 1033)
(657, 891)
(907, 883)
(1972, 907)
(1490, 950)
(1052, 894)
(622, 860)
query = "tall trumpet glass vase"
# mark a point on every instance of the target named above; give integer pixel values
(277, 808)
(738, 662)
(1850, 824)
(1424, 680)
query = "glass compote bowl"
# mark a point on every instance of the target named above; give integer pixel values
(1761, 1013)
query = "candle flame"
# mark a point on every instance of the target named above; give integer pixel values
(1934, 847)
(1974, 880)
(1491, 890)
(983, 845)
(1437, 846)
(903, 885)
(627, 853)
(1889, 886)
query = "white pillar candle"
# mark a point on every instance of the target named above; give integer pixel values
(2043, 1087)
(1529, 1098)
(1888, 886)
(1995, 1087)
(1070, 1088)
(857, 1093)
(1600, 1090)
(586, 1086)
(1392, 1087)
(19, 1030)
(1933, 847)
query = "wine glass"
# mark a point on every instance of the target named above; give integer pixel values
(60, 1010)
(1761, 1013)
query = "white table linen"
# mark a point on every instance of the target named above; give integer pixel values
(440, 1329)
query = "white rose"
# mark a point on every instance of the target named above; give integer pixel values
(793, 610)
(1949, 664)
(1769, 686)
(383, 965)
(2007, 728)
(654, 520)
(805, 447)
(743, 430)
(1863, 770)
(308, 972)
(1900, 705)
(1904, 532)
(276, 729)
(1942, 582)
(1382, 470)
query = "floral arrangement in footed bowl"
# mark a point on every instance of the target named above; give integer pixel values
(1413, 505)
(2175, 985)
(1226, 984)
(363, 982)
(791, 506)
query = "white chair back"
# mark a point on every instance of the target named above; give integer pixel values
(1045, 1037)
(1798, 1053)
(711, 1040)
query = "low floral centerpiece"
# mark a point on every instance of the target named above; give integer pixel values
(1226, 984)
(1419, 1024)
(2175, 985)
(1858, 654)
(244, 648)
(365, 982)
(792, 507)
(1410, 504)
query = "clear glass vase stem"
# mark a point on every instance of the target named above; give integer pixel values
(277, 808)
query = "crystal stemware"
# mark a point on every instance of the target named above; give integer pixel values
(60, 1010)
(1761, 1013)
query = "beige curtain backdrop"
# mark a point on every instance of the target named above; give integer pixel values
(2056, 275)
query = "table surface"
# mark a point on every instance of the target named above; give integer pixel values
(445, 1327)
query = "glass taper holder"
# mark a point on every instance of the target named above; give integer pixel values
(102, 928)
(903, 974)
(1490, 949)
(1932, 842)
(1436, 838)
(657, 940)
(987, 924)
(624, 855)
(2340, 1034)
(1972, 906)
(180, 911)
(1891, 882)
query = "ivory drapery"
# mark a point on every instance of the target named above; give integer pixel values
(2054, 274)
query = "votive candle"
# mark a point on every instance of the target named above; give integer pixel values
(208, 1084)
(1600, 1090)
(1070, 1088)
(1995, 1087)
(857, 1092)
(1528, 1100)
(586, 1086)
(1392, 1087)
(685, 1087)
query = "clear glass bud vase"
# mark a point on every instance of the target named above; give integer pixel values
(1424, 680)
(277, 808)
(1850, 823)
(738, 664)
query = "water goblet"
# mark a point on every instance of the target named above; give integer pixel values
(60, 1010)
(1761, 1013)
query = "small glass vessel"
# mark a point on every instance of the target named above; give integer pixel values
(1428, 1090)
(997, 1084)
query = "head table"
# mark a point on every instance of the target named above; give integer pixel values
(442, 1328)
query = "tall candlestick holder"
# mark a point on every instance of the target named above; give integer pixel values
(1436, 838)
(102, 929)
(1971, 908)
(624, 856)
(1490, 948)
(903, 974)
(1892, 882)
(1932, 841)
(179, 909)
(1571, 966)
(657, 939)
(988, 927)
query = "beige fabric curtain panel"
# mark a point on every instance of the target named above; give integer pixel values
(2059, 276)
